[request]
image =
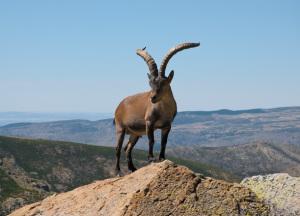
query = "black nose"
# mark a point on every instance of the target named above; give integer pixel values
(153, 98)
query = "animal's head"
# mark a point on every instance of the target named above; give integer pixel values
(159, 83)
(159, 86)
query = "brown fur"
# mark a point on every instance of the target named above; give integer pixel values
(141, 114)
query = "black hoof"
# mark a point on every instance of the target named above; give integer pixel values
(118, 173)
(161, 159)
(151, 159)
(132, 169)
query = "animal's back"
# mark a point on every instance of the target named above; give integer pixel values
(130, 114)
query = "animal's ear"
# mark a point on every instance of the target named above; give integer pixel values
(170, 77)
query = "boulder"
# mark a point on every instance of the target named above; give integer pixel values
(157, 189)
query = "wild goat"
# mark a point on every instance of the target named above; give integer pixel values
(145, 112)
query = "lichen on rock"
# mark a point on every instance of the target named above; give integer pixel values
(280, 191)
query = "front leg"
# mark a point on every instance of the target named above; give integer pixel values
(150, 134)
(164, 139)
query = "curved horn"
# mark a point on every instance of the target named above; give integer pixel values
(172, 52)
(149, 60)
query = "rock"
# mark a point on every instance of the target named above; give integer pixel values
(11, 203)
(280, 191)
(62, 174)
(41, 185)
(157, 189)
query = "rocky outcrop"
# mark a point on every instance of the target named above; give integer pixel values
(23, 179)
(17, 187)
(280, 191)
(157, 189)
(11, 204)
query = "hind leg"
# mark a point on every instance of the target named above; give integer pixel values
(120, 133)
(128, 148)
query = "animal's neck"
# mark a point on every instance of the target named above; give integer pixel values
(168, 96)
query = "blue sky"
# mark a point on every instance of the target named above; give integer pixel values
(79, 56)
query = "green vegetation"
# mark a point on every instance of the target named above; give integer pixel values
(73, 164)
(8, 187)
(61, 166)
(48, 159)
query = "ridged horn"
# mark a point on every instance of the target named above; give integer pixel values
(149, 60)
(172, 52)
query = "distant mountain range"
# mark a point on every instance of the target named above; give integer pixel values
(15, 117)
(194, 128)
(224, 144)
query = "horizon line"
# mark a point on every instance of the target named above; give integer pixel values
(194, 110)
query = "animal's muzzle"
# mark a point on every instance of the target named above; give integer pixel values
(153, 99)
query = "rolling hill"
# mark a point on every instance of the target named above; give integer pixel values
(246, 160)
(198, 128)
(33, 169)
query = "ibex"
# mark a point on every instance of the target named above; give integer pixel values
(145, 112)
